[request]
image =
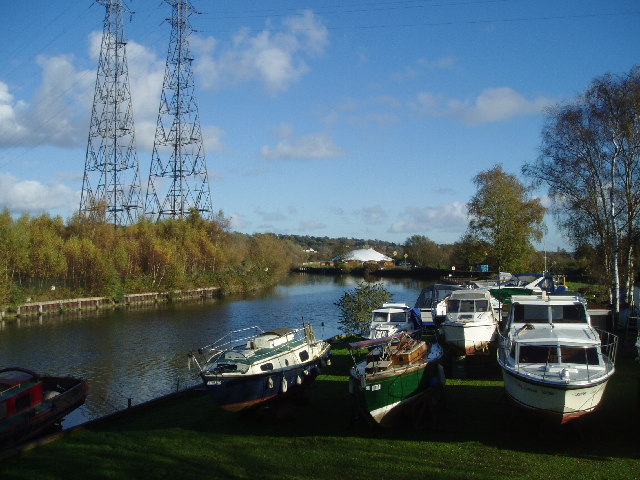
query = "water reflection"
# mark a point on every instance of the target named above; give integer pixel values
(140, 354)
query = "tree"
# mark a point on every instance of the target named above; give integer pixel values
(424, 252)
(505, 218)
(589, 162)
(356, 306)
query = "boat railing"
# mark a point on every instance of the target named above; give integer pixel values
(228, 341)
(606, 355)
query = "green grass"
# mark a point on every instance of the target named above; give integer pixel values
(478, 435)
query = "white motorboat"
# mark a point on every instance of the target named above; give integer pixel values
(553, 361)
(393, 318)
(472, 323)
(431, 301)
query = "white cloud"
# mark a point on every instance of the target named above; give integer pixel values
(274, 58)
(29, 196)
(444, 218)
(56, 114)
(492, 105)
(373, 215)
(60, 110)
(313, 146)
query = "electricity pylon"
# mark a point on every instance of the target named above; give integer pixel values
(111, 186)
(178, 180)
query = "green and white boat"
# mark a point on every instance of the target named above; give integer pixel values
(394, 375)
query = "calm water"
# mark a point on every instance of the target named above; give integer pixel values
(140, 354)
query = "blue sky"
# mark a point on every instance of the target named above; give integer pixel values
(364, 119)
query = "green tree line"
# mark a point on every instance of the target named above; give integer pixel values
(46, 257)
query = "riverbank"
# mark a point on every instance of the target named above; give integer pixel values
(478, 435)
(97, 303)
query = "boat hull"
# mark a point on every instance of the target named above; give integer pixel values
(469, 338)
(559, 403)
(240, 392)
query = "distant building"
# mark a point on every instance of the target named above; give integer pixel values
(364, 255)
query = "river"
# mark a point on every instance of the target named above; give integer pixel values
(140, 354)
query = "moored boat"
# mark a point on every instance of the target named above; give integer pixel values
(471, 323)
(553, 361)
(431, 300)
(394, 375)
(31, 403)
(392, 318)
(250, 367)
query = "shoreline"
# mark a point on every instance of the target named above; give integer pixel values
(52, 307)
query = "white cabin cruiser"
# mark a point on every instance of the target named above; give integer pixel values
(471, 323)
(553, 361)
(393, 318)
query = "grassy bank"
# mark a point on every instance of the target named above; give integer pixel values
(477, 436)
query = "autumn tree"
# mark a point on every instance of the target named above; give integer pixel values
(590, 165)
(504, 217)
(424, 252)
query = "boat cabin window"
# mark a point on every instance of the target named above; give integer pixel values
(482, 305)
(379, 316)
(304, 355)
(265, 367)
(568, 314)
(540, 313)
(467, 306)
(538, 354)
(397, 317)
(530, 313)
(23, 401)
(579, 355)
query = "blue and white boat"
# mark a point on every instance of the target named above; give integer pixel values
(250, 367)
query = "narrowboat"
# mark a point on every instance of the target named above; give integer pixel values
(31, 403)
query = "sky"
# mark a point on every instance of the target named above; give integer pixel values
(365, 119)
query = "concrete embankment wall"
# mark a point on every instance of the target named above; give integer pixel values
(94, 303)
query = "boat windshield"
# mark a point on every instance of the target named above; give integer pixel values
(397, 317)
(549, 313)
(467, 306)
(549, 354)
(380, 316)
(389, 317)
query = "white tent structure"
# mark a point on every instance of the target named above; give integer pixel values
(363, 255)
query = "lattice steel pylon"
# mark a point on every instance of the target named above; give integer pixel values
(111, 185)
(178, 179)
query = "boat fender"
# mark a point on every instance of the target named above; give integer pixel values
(328, 361)
(269, 382)
(299, 380)
(306, 372)
(284, 385)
